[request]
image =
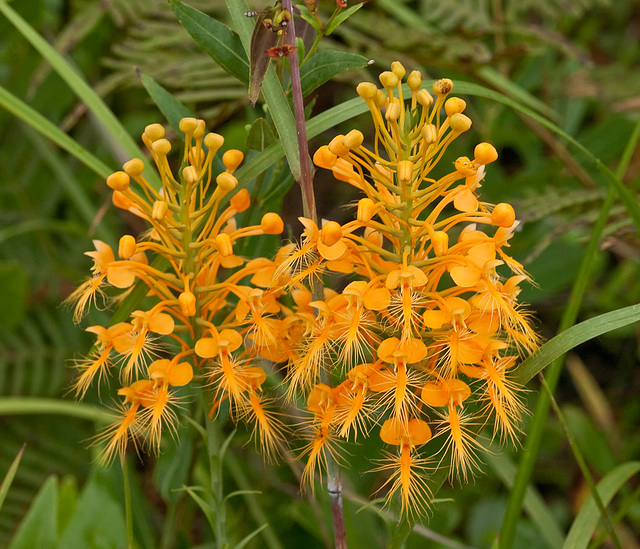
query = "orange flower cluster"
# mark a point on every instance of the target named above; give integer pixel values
(427, 325)
(418, 344)
(188, 324)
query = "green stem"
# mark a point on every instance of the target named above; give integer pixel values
(583, 465)
(537, 428)
(127, 504)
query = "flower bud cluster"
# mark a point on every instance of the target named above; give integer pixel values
(419, 344)
(188, 265)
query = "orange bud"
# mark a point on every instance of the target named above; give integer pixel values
(388, 79)
(154, 132)
(134, 167)
(118, 181)
(159, 210)
(331, 233)
(459, 122)
(213, 142)
(162, 147)
(241, 200)
(226, 181)
(232, 159)
(366, 210)
(485, 153)
(271, 223)
(454, 105)
(353, 139)
(187, 303)
(442, 87)
(188, 125)
(440, 242)
(337, 147)
(127, 246)
(503, 215)
(405, 171)
(224, 244)
(414, 80)
(367, 91)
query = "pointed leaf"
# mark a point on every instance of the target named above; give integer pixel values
(325, 65)
(172, 109)
(11, 473)
(588, 518)
(342, 16)
(260, 135)
(221, 43)
(39, 528)
(567, 340)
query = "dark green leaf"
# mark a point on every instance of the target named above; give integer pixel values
(84, 530)
(325, 65)
(260, 135)
(342, 16)
(13, 293)
(8, 478)
(306, 15)
(169, 106)
(567, 340)
(217, 40)
(39, 528)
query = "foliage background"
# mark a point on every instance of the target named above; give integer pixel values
(576, 62)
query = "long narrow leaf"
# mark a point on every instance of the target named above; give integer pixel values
(587, 520)
(11, 473)
(24, 112)
(169, 106)
(82, 89)
(572, 337)
(12, 406)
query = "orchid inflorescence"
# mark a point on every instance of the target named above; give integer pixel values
(416, 347)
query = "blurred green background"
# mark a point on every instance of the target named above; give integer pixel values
(575, 62)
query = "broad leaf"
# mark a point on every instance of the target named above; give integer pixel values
(219, 41)
(325, 65)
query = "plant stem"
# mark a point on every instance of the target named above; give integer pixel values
(536, 431)
(583, 465)
(334, 480)
(306, 182)
(127, 504)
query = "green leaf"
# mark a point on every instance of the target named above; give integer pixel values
(272, 91)
(567, 340)
(78, 84)
(534, 504)
(14, 290)
(98, 521)
(11, 473)
(587, 520)
(172, 468)
(341, 17)
(306, 15)
(21, 110)
(39, 528)
(260, 135)
(172, 109)
(325, 65)
(219, 41)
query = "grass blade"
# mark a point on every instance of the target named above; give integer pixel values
(586, 522)
(81, 88)
(11, 473)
